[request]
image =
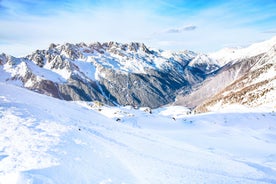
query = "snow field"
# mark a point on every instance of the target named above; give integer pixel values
(46, 140)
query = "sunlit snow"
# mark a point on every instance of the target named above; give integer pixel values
(46, 140)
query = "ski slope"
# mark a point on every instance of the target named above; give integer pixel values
(46, 140)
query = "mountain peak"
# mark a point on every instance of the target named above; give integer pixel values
(131, 73)
(110, 72)
(231, 54)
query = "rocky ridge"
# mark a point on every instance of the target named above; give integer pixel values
(111, 72)
(133, 74)
(247, 79)
(256, 88)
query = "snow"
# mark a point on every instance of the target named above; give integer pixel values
(46, 140)
(230, 54)
(45, 73)
(87, 68)
(121, 58)
(203, 59)
(211, 65)
(88, 62)
(64, 73)
(20, 67)
(173, 111)
(126, 64)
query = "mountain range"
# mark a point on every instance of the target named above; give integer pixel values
(133, 74)
(75, 138)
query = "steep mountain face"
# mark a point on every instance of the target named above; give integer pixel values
(132, 74)
(256, 88)
(227, 55)
(237, 66)
(214, 84)
(113, 73)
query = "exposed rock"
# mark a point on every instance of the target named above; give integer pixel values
(113, 73)
(132, 74)
(216, 82)
(257, 87)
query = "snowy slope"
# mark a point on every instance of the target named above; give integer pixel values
(231, 54)
(247, 79)
(256, 88)
(204, 63)
(46, 140)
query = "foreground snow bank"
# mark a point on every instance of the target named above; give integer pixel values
(45, 140)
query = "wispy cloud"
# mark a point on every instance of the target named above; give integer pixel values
(196, 25)
(180, 29)
(270, 31)
(92, 24)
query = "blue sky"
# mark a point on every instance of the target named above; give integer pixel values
(198, 25)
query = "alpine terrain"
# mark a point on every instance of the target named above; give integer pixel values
(50, 141)
(125, 113)
(246, 77)
(112, 73)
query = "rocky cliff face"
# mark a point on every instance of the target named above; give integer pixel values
(255, 88)
(216, 82)
(132, 74)
(247, 77)
(113, 73)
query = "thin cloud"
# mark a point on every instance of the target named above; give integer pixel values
(181, 29)
(176, 30)
(270, 31)
(206, 28)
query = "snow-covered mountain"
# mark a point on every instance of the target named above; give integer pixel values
(256, 88)
(113, 73)
(46, 140)
(247, 78)
(227, 55)
(214, 84)
(204, 63)
(133, 74)
(51, 140)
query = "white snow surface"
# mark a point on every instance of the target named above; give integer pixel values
(203, 59)
(121, 57)
(46, 140)
(226, 55)
(20, 67)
